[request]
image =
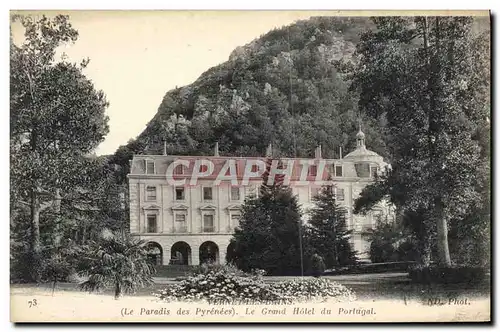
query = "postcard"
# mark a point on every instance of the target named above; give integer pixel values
(250, 166)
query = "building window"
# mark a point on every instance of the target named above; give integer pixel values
(150, 167)
(338, 171)
(180, 223)
(313, 170)
(235, 193)
(207, 193)
(151, 226)
(373, 171)
(235, 220)
(315, 192)
(180, 194)
(253, 191)
(150, 193)
(340, 194)
(179, 170)
(208, 223)
(362, 170)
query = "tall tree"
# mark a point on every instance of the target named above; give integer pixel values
(429, 76)
(269, 233)
(56, 118)
(328, 234)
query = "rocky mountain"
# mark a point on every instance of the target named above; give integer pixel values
(282, 88)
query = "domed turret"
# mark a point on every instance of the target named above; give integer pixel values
(360, 138)
(362, 153)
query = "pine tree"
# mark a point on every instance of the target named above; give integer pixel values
(57, 118)
(269, 234)
(328, 235)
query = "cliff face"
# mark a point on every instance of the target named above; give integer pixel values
(282, 88)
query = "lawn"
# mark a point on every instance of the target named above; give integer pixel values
(392, 296)
(374, 287)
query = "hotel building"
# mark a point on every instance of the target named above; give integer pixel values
(192, 223)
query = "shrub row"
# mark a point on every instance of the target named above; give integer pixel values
(447, 275)
(373, 268)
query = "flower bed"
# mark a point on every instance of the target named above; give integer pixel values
(219, 286)
(313, 289)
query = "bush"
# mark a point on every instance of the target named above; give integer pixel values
(373, 268)
(313, 289)
(217, 285)
(317, 265)
(447, 275)
(227, 269)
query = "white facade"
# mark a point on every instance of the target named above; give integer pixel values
(192, 223)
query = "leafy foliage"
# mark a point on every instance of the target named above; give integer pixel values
(317, 265)
(392, 242)
(317, 289)
(56, 119)
(219, 286)
(447, 275)
(119, 262)
(429, 78)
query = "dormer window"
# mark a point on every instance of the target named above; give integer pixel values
(150, 167)
(313, 170)
(339, 171)
(179, 170)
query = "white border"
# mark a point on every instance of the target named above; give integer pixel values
(188, 4)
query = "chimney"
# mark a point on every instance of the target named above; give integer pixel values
(317, 152)
(216, 150)
(340, 152)
(164, 148)
(269, 150)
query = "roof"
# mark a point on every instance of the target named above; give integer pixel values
(362, 152)
(162, 162)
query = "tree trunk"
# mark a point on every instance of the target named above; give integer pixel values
(35, 247)
(118, 291)
(54, 286)
(425, 251)
(442, 237)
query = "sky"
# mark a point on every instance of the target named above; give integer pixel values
(136, 57)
